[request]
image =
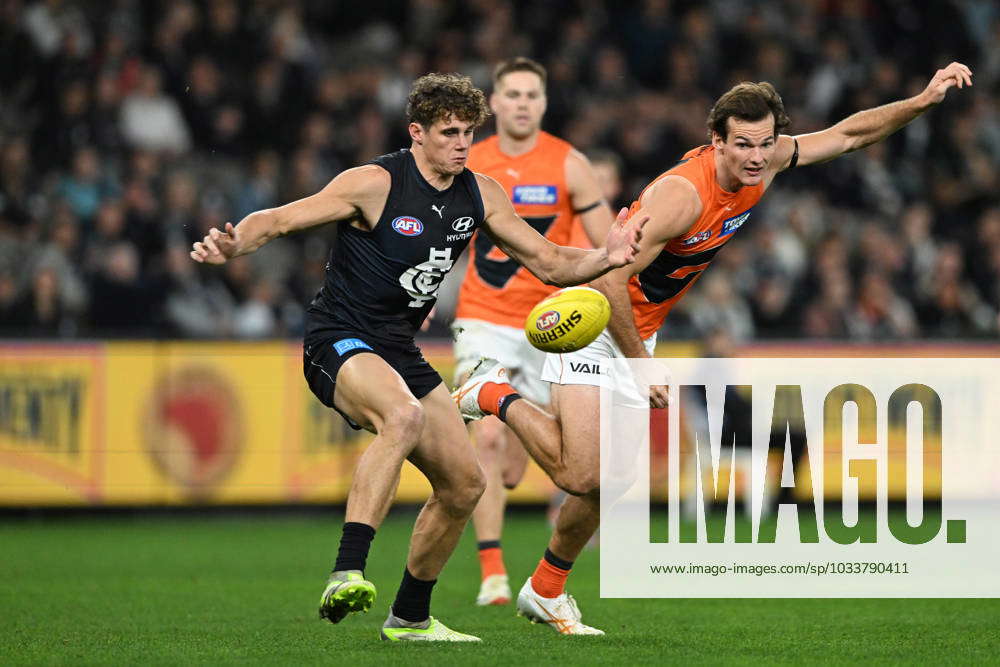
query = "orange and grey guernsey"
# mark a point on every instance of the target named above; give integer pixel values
(660, 285)
(496, 288)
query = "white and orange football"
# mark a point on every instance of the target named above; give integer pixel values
(567, 320)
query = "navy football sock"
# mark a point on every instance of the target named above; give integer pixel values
(413, 600)
(354, 544)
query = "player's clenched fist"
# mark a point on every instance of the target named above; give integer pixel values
(217, 247)
(955, 74)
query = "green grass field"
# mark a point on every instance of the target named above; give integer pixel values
(211, 590)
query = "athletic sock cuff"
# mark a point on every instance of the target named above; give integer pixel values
(556, 561)
(413, 600)
(359, 529)
(488, 544)
(422, 584)
(505, 403)
(355, 542)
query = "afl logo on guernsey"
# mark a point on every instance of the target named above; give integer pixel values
(547, 320)
(407, 225)
(698, 238)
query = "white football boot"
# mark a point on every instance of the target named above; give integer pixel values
(495, 590)
(467, 396)
(560, 613)
(431, 630)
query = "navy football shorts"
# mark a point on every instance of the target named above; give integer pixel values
(322, 357)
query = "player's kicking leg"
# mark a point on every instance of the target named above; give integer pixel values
(568, 449)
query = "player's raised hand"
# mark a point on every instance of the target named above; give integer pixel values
(623, 239)
(955, 74)
(216, 247)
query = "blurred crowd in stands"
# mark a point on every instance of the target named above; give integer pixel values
(130, 127)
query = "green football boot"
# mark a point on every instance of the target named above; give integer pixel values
(346, 592)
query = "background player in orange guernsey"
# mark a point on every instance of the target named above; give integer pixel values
(555, 190)
(694, 209)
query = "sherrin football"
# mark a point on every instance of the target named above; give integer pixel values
(567, 320)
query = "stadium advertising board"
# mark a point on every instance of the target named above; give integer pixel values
(178, 423)
(151, 424)
(51, 439)
(780, 477)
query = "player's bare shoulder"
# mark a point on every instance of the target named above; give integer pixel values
(785, 157)
(365, 182)
(673, 204)
(494, 197)
(487, 182)
(366, 188)
(576, 162)
(579, 171)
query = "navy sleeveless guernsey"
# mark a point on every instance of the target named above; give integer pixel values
(385, 281)
(381, 284)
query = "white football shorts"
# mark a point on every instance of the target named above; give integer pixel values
(584, 367)
(475, 339)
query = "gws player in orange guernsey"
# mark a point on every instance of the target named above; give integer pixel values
(694, 208)
(392, 252)
(554, 189)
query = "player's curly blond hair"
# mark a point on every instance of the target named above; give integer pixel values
(435, 97)
(747, 101)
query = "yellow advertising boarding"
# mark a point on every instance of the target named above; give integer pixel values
(169, 423)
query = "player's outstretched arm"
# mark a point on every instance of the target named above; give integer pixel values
(358, 191)
(554, 264)
(871, 125)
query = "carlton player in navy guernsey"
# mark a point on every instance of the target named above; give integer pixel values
(384, 280)
(404, 219)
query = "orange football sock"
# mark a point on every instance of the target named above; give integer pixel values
(491, 561)
(491, 394)
(549, 580)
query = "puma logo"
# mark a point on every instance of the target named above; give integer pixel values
(516, 175)
(439, 211)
